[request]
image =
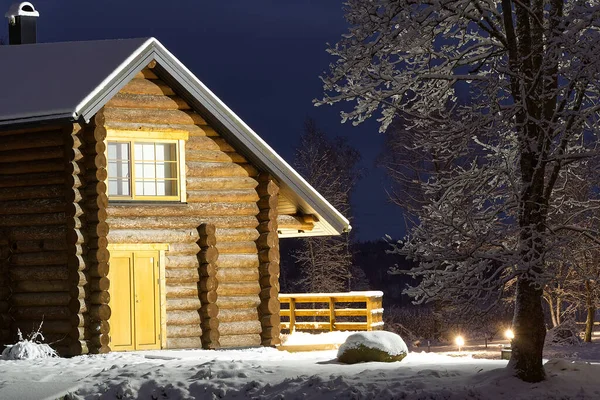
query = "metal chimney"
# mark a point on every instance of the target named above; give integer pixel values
(22, 23)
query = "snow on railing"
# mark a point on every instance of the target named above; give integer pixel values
(323, 311)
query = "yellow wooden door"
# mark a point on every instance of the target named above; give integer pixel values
(135, 300)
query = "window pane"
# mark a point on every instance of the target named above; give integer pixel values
(155, 169)
(118, 169)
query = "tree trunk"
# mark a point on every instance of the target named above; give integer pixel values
(528, 325)
(591, 313)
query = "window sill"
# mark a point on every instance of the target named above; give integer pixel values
(171, 203)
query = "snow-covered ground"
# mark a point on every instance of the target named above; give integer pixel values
(270, 374)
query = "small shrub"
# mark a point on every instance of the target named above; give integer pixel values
(30, 348)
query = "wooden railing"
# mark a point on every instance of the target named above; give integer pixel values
(330, 312)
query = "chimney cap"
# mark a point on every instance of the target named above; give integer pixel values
(24, 8)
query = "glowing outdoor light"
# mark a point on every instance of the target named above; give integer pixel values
(510, 335)
(460, 342)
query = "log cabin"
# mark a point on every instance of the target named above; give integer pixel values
(137, 211)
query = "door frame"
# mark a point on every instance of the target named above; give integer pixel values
(162, 281)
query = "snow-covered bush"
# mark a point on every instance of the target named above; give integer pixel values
(565, 334)
(372, 346)
(29, 349)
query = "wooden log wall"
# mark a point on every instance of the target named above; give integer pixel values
(93, 282)
(207, 286)
(268, 250)
(38, 211)
(5, 289)
(221, 190)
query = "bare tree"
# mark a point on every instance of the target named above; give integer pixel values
(516, 85)
(330, 166)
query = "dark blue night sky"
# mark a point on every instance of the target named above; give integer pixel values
(262, 58)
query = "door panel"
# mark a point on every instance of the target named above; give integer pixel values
(146, 296)
(134, 300)
(121, 304)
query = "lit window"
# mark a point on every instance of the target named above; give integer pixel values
(142, 170)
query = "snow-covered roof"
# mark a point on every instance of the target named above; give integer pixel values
(73, 80)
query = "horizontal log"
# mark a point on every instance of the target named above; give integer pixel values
(100, 340)
(183, 304)
(191, 317)
(184, 343)
(208, 269)
(209, 311)
(41, 286)
(199, 130)
(36, 206)
(214, 156)
(249, 261)
(58, 326)
(146, 73)
(98, 270)
(239, 328)
(269, 320)
(159, 102)
(238, 288)
(183, 249)
(270, 254)
(44, 273)
(237, 247)
(238, 315)
(206, 210)
(220, 169)
(207, 241)
(176, 276)
(46, 178)
(100, 312)
(28, 141)
(205, 229)
(210, 339)
(49, 313)
(269, 306)
(34, 246)
(35, 128)
(32, 167)
(209, 142)
(173, 262)
(269, 292)
(146, 86)
(208, 255)
(267, 281)
(267, 214)
(237, 234)
(269, 239)
(229, 302)
(210, 196)
(183, 331)
(267, 226)
(152, 236)
(96, 327)
(209, 324)
(99, 298)
(269, 188)
(207, 284)
(220, 183)
(271, 336)
(99, 284)
(208, 297)
(40, 299)
(41, 258)
(153, 116)
(75, 348)
(250, 340)
(182, 290)
(237, 274)
(297, 222)
(42, 153)
(268, 202)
